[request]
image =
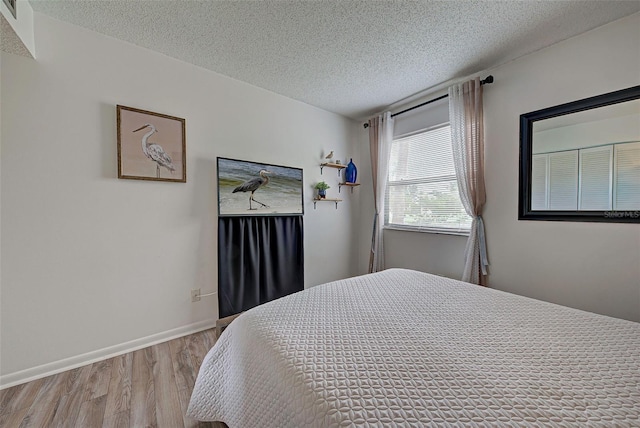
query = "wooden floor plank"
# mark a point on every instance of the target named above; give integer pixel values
(208, 339)
(69, 407)
(118, 420)
(13, 420)
(211, 335)
(45, 405)
(92, 412)
(143, 399)
(197, 348)
(184, 396)
(150, 387)
(6, 395)
(182, 366)
(119, 396)
(3, 392)
(168, 411)
(99, 379)
(72, 381)
(21, 396)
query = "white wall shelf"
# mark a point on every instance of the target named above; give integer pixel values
(337, 166)
(351, 185)
(326, 200)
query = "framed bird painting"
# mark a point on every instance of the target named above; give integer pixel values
(151, 146)
(253, 188)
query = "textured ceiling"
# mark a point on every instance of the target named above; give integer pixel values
(9, 40)
(350, 57)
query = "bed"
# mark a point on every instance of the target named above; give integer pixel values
(405, 348)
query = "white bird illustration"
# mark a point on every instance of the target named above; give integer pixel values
(330, 155)
(154, 151)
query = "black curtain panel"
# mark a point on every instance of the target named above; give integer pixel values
(259, 259)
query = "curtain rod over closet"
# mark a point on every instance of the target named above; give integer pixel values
(488, 80)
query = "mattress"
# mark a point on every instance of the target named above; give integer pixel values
(404, 348)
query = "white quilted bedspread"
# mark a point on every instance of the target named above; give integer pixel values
(403, 348)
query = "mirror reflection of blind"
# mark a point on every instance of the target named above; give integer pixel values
(563, 181)
(596, 178)
(539, 173)
(627, 177)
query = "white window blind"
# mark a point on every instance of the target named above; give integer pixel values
(539, 185)
(422, 189)
(626, 188)
(563, 180)
(596, 178)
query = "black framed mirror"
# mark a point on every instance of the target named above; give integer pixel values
(580, 161)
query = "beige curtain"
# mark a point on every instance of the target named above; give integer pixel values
(380, 139)
(467, 134)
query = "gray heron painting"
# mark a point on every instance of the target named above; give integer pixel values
(253, 185)
(278, 188)
(154, 151)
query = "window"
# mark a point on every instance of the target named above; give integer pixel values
(422, 191)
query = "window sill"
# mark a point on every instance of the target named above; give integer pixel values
(427, 230)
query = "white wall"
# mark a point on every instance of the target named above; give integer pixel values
(590, 266)
(428, 252)
(93, 265)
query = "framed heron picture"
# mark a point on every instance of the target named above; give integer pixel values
(151, 146)
(254, 188)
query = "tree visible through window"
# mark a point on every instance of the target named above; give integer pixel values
(422, 190)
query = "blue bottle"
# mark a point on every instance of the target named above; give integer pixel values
(351, 172)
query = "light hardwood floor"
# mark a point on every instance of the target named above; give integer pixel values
(150, 387)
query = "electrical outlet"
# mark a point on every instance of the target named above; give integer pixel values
(195, 295)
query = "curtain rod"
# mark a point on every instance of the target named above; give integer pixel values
(488, 80)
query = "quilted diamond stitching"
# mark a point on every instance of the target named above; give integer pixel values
(403, 348)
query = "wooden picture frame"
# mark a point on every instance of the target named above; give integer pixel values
(278, 189)
(151, 146)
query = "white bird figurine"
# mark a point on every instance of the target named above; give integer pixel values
(154, 151)
(330, 155)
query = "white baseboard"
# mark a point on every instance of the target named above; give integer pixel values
(65, 364)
